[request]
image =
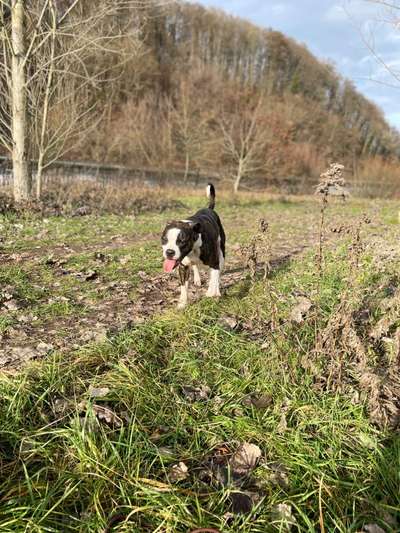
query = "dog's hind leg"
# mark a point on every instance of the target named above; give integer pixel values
(196, 276)
(184, 274)
(213, 288)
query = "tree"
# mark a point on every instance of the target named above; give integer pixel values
(244, 140)
(55, 58)
(190, 122)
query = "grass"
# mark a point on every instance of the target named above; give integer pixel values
(64, 469)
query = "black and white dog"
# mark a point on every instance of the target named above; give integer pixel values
(198, 240)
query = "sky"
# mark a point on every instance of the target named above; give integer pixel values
(360, 37)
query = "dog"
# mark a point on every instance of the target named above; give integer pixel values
(190, 243)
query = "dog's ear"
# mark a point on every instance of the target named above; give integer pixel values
(197, 227)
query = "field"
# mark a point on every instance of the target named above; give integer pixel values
(275, 408)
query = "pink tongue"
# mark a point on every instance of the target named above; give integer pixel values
(169, 265)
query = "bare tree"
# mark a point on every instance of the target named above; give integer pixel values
(56, 59)
(388, 13)
(190, 122)
(244, 141)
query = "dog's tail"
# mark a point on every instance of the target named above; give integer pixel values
(211, 196)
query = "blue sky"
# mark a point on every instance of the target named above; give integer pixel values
(342, 32)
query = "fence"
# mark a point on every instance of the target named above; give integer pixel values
(72, 171)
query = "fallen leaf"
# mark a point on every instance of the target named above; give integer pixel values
(299, 312)
(229, 322)
(60, 406)
(258, 401)
(243, 502)
(158, 433)
(5, 295)
(81, 211)
(245, 459)
(103, 258)
(194, 394)
(104, 414)
(178, 472)
(124, 260)
(4, 359)
(88, 275)
(97, 334)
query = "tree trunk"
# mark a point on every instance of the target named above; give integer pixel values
(21, 171)
(187, 166)
(39, 175)
(238, 179)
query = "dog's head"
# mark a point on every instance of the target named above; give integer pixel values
(177, 242)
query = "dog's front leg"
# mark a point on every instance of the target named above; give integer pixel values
(213, 288)
(196, 276)
(184, 274)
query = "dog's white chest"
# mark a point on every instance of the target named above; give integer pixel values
(193, 258)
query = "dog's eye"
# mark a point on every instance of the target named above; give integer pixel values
(164, 240)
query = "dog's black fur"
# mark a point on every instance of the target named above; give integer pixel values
(198, 239)
(206, 223)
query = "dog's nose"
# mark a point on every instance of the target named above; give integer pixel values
(170, 253)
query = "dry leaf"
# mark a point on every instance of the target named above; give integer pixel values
(178, 472)
(196, 393)
(61, 405)
(243, 502)
(258, 401)
(299, 312)
(229, 322)
(11, 305)
(104, 414)
(245, 459)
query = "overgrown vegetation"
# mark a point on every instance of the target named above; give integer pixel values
(275, 408)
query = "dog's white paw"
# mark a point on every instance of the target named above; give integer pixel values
(197, 282)
(181, 305)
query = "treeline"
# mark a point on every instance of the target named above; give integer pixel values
(211, 92)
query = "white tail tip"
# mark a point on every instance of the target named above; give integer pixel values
(208, 191)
